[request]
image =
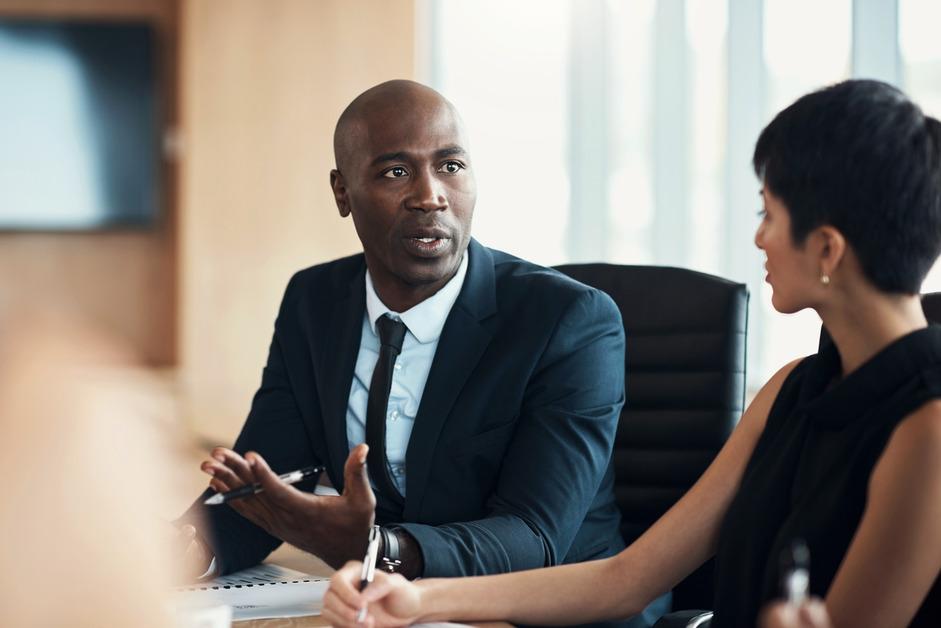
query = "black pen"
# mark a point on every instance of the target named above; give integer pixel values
(291, 477)
(369, 567)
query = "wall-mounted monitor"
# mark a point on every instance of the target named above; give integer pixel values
(80, 131)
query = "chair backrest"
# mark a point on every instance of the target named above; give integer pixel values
(685, 378)
(930, 303)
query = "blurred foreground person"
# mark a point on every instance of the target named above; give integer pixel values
(84, 451)
(841, 449)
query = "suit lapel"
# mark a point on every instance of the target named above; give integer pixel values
(463, 341)
(344, 327)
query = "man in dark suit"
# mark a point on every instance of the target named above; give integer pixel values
(490, 420)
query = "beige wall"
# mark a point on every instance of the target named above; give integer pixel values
(123, 280)
(262, 85)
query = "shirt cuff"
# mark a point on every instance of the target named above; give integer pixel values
(212, 572)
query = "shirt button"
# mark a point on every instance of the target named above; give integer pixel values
(394, 415)
(398, 366)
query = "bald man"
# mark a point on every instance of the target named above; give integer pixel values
(486, 388)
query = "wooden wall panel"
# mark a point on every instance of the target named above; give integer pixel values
(262, 86)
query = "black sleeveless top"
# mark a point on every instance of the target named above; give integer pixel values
(809, 474)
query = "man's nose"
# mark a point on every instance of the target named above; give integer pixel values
(427, 193)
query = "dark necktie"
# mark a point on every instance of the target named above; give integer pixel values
(391, 335)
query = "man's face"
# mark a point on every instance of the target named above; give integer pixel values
(409, 186)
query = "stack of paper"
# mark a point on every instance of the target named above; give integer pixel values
(261, 592)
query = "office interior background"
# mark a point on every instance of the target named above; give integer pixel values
(618, 131)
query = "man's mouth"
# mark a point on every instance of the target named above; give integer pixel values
(428, 245)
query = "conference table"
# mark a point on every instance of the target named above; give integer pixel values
(293, 558)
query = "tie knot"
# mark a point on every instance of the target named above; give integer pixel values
(391, 332)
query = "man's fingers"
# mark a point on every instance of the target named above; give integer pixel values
(276, 490)
(219, 471)
(219, 486)
(356, 479)
(236, 463)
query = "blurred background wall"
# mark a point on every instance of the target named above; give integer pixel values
(262, 86)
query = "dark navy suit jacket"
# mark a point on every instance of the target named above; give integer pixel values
(509, 462)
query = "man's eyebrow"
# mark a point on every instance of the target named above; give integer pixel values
(399, 156)
(451, 151)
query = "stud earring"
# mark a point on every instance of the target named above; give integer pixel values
(825, 279)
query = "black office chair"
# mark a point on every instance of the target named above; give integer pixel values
(686, 334)
(930, 303)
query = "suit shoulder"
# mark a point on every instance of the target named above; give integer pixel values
(322, 279)
(337, 272)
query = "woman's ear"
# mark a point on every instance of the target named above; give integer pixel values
(830, 246)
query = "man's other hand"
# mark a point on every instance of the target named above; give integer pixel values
(334, 528)
(195, 556)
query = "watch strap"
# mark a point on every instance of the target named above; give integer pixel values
(390, 559)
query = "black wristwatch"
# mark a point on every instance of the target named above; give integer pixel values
(389, 559)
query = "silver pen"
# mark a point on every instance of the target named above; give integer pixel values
(795, 572)
(291, 477)
(369, 567)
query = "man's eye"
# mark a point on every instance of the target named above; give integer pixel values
(395, 172)
(451, 167)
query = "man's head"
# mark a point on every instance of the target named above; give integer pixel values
(403, 172)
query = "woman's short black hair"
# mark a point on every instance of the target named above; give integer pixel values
(862, 157)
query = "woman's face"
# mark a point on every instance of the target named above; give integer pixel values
(792, 270)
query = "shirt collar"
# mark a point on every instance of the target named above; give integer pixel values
(426, 319)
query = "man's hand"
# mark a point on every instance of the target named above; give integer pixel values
(194, 555)
(390, 600)
(811, 614)
(334, 528)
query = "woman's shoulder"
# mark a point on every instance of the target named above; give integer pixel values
(912, 455)
(768, 395)
(919, 431)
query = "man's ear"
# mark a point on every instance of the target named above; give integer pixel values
(338, 185)
(831, 248)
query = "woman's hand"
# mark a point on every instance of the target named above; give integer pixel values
(390, 600)
(811, 614)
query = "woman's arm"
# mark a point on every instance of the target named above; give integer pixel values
(895, 556)
(616, 587)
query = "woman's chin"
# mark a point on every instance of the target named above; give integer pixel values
(781, 304)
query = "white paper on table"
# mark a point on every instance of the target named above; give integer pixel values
(262, 592)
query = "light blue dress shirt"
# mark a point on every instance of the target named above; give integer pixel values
(424, 322)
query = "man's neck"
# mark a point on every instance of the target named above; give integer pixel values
(401, 297)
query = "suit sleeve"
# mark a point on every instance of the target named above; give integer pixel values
(556, 460)
(274, 429)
